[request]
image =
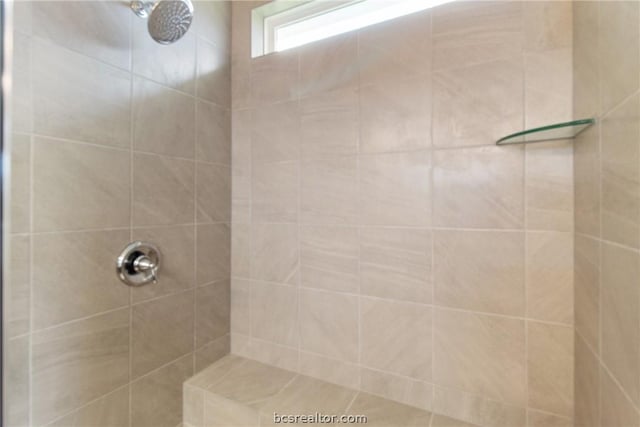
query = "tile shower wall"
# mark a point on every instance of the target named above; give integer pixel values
(607, 208)
(116, 138)
(381, 240)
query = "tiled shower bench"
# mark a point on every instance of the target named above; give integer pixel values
(238, 392)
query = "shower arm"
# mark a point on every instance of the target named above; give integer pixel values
(142, 8)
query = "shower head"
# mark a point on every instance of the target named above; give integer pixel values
(167, 20)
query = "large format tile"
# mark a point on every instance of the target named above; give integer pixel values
(210, 353)
(550, 269)
(162, 331)
(213, 193)
(329, 324)
(479, 104)
(481, 354)
(111, 410)
(213, 249)
(587, 289)
(395, 116)
(163, 190)
(586, 67)
(480, 271)
(240, 321)
(398, 388)
(212, 22)
(547, 25)
(156, 399)
(21, 95)
(18, 287)
(620, 297)
(587, 385)
(331, 370)
(78, 98)
(20, 183)
(176, 245)
(274, 78)
(616, 409)
(395, 263)
(330, 123)
(164, 120)
(74, 276)
(213, 133)
(213, 304)
(587, 177)
(385, 413)
(396, 337)
(100, 29)
(329, 258)
(274, 253)
(329, 191)
(214, 73)
(550, 379)
(16, 360)
(620, 184)
(172, 65)
(479, 187)
(275, 133)
(395, 189)
(77, 186)
(274, 313)
(78, 362)
(275, 190)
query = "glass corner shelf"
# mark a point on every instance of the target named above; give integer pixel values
(566, 130)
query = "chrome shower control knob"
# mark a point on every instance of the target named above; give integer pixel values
(138, 264)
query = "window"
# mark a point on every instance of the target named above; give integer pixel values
(284, 24)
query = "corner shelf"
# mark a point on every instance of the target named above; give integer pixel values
(566, 130)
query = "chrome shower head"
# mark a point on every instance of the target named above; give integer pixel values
(167, 20)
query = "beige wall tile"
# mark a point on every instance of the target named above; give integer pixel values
(476, 409)
(156, 399)
(111, 410)
(240, 250)
(78, 98)
(548, 82)
(395, 263)
(621, 174)
(17, 380)
(275, 192)
(274, 311)
(479, 187)
(78, 362)
(162, 331)
(213, 21)
(213, 193)
(213, 251)
(177, 246)
(397, 388)
(480, 271)
(329, 64)
(549, 186)
(550, 379)
(587, 385)
(226, 413)
(481, 354)
(274, 78)
(266, 352)
(98, 29)
(395, 189)
(172, 65)
(444, 421)
(18, 287)
(547, 25)
(20, 183)
(478, 104)
(274, 253)
(210, 353)
(77, 186)
(193, 406)
(21, 98)
(587, 182)
(616, 409)
(22, 12)
(474, 32)
(74, 276)
(383, 412)
(329, 324)
(329, 258)
(164, 120)
(587, 289)
(330, 123)
(542, 419)
(213, 133)
(163, 190)
(396, 337)
(586, 81)
(618, 51)
(329, 191)
(330, 370)
(395, 115)
(400, 47)
(275, 133)
(620, 316)
(214, 73)
(212, 312)
(550, 277)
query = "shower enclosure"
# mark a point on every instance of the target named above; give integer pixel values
(197, 234)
